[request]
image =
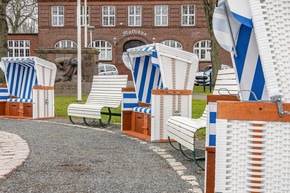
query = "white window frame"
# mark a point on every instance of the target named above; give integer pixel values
(18, 48)
(133, 16)
(161, 14)
(57, 19)
(83, 15)
(105, 49)
(111, 18)
(186, 15)
(65, 44)
(172, 43)
(203, 50)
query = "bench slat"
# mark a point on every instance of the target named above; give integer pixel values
(106, 91)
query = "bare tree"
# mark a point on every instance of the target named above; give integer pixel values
(22, 16)
(209, 6)
(3, 34)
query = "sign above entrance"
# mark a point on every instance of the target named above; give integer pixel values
(134, 31)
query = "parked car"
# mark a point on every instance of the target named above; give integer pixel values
(107, 69)
(203, 77)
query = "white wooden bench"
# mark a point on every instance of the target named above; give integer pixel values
(183, 129)
(106, 92)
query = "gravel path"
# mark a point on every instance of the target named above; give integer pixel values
(68, 158)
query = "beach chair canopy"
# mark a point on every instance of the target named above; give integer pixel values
(23, 73)
(156, 66)
(257, 35)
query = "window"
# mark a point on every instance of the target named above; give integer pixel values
(57, 13)
(203, 49)
(172, 43)
(108, 15)
(161, 15)
(188, 15)
(132, 44)
(134, 15)
(83, 15)
(105, 49)
(18, 48)
(65, 44)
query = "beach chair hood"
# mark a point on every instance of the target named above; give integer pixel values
(236, 31)
(22, 74)
(156, 66)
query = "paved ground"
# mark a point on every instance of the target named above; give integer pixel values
(68, 158)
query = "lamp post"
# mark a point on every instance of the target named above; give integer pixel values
(86, 23)
(79, 50)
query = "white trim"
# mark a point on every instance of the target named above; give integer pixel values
(58, 16)
(161, 15)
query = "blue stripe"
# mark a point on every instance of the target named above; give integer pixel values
(4, 97)
(212, 140)
(212, 117)
(30, 83)
(129, 95)
(154, 54)
(130, 105)
(246, 21)
(242, 47)
(258, 82)
(24, 90)
(151, 82)
(136, 67)
(143, 78)
(16, 83)
(3, 90)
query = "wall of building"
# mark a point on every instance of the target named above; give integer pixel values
(121, 32)
(32, 37)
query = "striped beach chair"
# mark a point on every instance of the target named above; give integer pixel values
(163, 79)
(30, 82)
(252, 144)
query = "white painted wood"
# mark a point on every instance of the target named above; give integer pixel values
(182, 129)
(106, 91)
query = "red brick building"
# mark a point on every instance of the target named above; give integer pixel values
(22, 44)
(121, 24)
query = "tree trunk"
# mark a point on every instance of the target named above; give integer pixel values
(3, 35)
(209, 6)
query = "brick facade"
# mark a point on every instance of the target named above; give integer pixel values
(32, 37)
(188, 36)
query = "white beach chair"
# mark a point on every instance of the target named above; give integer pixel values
(163, 80)
(106, 92)
(183, 129)
(30, 86)
(252, 144)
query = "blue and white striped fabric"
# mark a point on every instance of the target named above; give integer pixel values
(211, 129)
(246, 57)
(146, 110)
(129, 100)
(20, 77)
(23, 100)
(145, 70)
(4, 95)
(226, 27)
(241, 11)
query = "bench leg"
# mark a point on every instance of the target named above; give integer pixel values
(70, 118)
(193, 156)
(172, 144)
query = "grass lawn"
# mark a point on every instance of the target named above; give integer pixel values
(200, 90)
(62, 102)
